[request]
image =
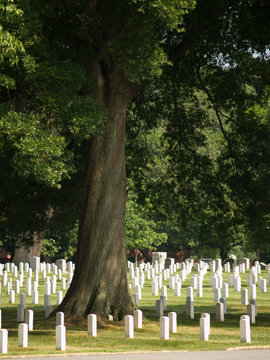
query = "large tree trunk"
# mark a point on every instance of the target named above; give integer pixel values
(100, 280)
(24, 253)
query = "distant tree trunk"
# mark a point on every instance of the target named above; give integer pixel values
(258, 254)
(23, 253)
(223, 255)
(136, 257)
(100, 279)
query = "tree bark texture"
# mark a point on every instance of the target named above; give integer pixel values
(24, 253)
(100, 283)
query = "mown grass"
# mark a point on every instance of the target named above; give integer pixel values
(111, 334)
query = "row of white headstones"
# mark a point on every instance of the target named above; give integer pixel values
(169, 323)
(14, 284)
(24, 328)
(157, 273)
(14, 279)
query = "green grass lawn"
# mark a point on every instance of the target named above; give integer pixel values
(111, 334)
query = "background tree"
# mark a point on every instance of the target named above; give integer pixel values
(207, 102)
(141, 230)
(111, 59)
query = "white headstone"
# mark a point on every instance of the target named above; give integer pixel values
(61, 337)
(35, 298)
(59, 297)
(53, 286)
(207, 317)
(204, 333)
(177, 289)
(30, 273)
(172, 282)
(29, 319)
(164, 327)
(138, 319)
(251, 313)
(28, 288)
(223, 301)
(17, 286)
(12, 296)
(237, 283)
(245, 329)
(64, 283)
(159, 308)
(20, 313)
(47, 300)
(92, 324)
(216, 295)
(23, 335)
(263, 285)
(164, 290)
(155, 288)
(172, 322)
(225, 290)
(35, 263)
(129, 326)
(3, 341)
(61, 264)
(220, 311)
(252, 291)
(164, 300)
(190, 292)
(244, 297)
(138, 290)
(199, 286)
(60, 318)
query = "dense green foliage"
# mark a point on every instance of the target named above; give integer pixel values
(141, 230)
(213, 102)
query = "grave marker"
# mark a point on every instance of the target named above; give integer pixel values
(219, 312)
(164, 327)
(204, 333)
(20, 313)
(3, 341)
(251, 313)
(172, 322)
(29, 319)
(245, 329)
(60, 318)
(61, 337)
(254, 302)
(189, 308)
(129, 326)
(159, 308)
(23, 335)
(138, 319)
(223, 301)
(92, 324)
(59, 297)
(164, 300)
(252, 291)
(225, 290)
(35, 298)
(244, 297)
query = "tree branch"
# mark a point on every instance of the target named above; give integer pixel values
(218, 113)
(176, 110)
